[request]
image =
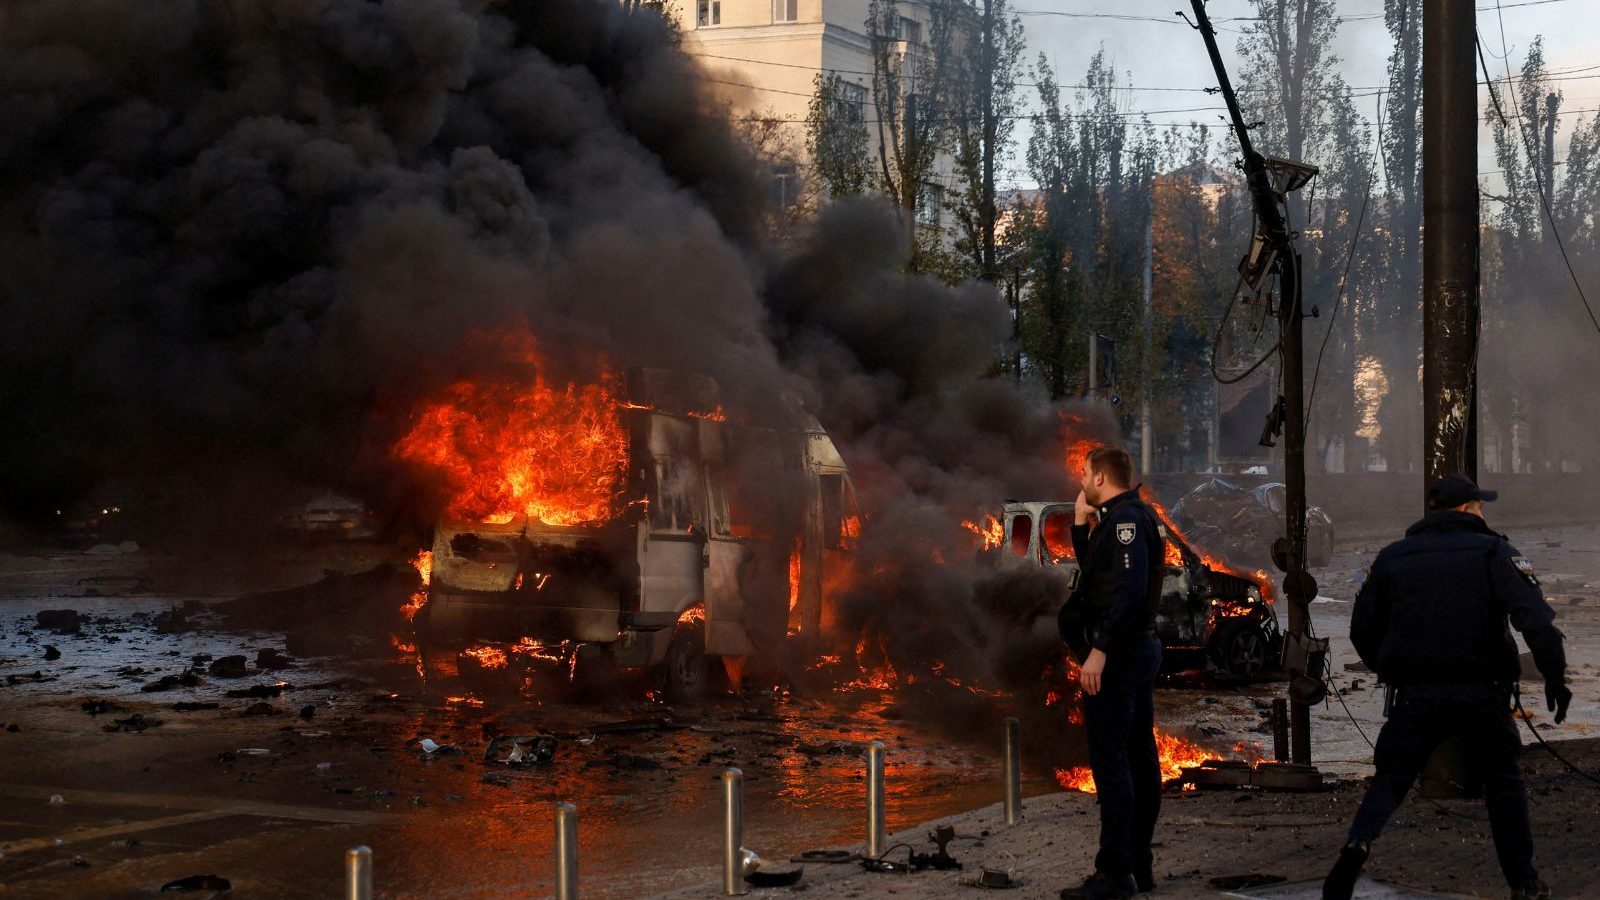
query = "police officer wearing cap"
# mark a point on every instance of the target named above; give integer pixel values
(1110, 626)
(1431, 621)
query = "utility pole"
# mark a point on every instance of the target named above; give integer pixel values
(1273, 252)
(1146, 454)
(1449, 281)
(1450, 239)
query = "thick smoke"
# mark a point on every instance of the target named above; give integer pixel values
(241, 239)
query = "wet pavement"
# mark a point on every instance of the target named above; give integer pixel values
(268, 791)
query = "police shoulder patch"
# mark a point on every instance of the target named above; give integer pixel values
(1126, 531)
(1526, 569)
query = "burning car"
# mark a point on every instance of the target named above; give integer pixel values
(1208, 609)
(683, 536)
(1244, 522)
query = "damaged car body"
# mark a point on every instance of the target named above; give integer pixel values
(718, 546)
(1216, 618)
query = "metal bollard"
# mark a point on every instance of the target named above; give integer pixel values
(875, 799)
(733, 833)
(1013, 772)
(1280, 730)
(566, 851)
(358, 873)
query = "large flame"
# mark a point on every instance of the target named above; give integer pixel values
(423, 563)
(1176, 754)
(555, 454)
(1262, 580)
(992, 533)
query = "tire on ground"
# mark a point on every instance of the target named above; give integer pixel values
(1240, 650)
(686, 670)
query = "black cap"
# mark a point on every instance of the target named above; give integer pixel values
(1451, 491)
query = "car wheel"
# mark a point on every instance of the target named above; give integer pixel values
(1239, 650)
(685, 671)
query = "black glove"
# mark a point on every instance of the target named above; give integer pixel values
(1557, 697)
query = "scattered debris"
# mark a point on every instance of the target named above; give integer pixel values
(253, 751)
(168, 682)
(1240, 882)
(229, 667)
(57, 800)
(134, 723)
(636, 726)
(259, 709)
(198, 883)
(97, 707)
(51, 653)
(272, 659)
(308, 711)
(61, 621)
(258, 691)
(30, 677)
(430, 747)
(522, 750)
(769, 875)
(178, 618)
(992, 879)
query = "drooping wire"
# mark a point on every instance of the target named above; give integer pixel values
(1544, 200)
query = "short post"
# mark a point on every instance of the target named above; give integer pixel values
(733, 833)
(875, 799)
(358, 873)
(1280, 730)
(566, 851)
(1013, 771)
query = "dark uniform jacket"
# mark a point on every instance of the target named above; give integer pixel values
(1435, 606)
(1120, 571)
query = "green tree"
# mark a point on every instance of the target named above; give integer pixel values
(983, 104)
(836, 136)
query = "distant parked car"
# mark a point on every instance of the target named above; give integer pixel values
(1241, 523)
(329, 517)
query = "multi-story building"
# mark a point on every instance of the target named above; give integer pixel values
(765, 55)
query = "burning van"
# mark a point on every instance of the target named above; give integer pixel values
(1208, 611)
(712, 541)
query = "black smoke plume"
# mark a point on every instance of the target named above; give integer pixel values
(240, 240)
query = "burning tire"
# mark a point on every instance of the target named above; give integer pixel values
(685, 672)
(1240, 650)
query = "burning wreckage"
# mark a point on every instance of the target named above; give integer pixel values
(632, 522)
(1210, 613)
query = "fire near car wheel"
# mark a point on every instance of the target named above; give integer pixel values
(685, 671)
(1239, 650)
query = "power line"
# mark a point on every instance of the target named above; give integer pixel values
(1544, 201)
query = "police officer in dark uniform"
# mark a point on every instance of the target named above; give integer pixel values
(1110, 625)
(1431, 622)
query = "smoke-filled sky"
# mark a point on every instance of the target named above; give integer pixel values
(1155, 54)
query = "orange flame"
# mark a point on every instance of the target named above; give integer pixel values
(423, 563)
(794, 577)
(1262, 580)
(1176, 755)
(554, 454)
(991, 532)
(487, 655)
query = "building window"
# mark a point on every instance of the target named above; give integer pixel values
(710, 13)
(910, 30)
(852, 103)
(930, 200)
(785, 10)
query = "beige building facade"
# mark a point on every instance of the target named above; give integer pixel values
(764, 56)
